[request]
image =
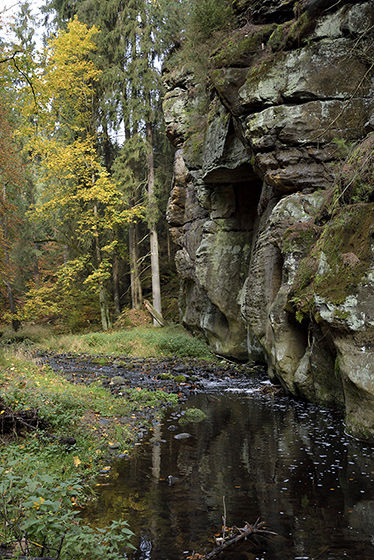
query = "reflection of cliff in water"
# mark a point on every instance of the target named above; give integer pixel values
(289, 464)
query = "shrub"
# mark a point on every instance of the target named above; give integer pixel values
(357, 172)
(210, 15)
(38, 514)
(182, 344)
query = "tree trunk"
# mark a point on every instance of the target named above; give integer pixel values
(156, 286)
(4, 227)
(106, 322)
(169, 244)
(36, 248)
(136, 287)
(104, 309)
(115, 274)
(116, 298)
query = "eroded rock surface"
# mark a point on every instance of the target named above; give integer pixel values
(273, 220)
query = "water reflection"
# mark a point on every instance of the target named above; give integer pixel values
(287, 463)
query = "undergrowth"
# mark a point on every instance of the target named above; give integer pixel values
(145, 341)
(45, 476)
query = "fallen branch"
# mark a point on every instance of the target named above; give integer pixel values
(272, 390)
(12, 422)
(235, 536)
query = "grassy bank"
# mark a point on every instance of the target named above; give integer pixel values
(48, 469)
(145, 341)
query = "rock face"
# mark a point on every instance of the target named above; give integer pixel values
(271, 206)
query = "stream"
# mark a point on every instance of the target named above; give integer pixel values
(256, 455)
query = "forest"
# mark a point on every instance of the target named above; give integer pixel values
(208, 163)
(85, 165)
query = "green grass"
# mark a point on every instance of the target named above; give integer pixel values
(41, 480)
(145, 341)
(73, 409)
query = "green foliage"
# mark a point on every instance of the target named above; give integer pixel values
(59, 402)
(170, 377)
(63, 405)
(166, 376)
(291, 33)
(336, 263)
(179, 343)
(240, 47)
(29, 334)
(67, 301)
(37, 511)
(343, 147)
(41, 485)
(209, 16)
(12, 201)
(172, 19)
(299, 315)
(149, 398)
(73, 98)
(356, 176)
(300, 237)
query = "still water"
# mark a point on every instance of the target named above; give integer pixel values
(288, 463)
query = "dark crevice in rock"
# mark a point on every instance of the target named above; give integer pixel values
(273, 265)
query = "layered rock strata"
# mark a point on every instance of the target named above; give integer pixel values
(274, 221)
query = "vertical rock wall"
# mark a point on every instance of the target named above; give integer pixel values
(275, 242)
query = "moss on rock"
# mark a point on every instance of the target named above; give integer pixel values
(192, 415)
(337, 261)
(241, 46)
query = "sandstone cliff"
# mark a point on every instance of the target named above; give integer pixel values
(271, 204)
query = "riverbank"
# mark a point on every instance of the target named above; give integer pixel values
(56, 442)
(58, 436)
(60, 429)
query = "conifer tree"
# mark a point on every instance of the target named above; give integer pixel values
(16, 70)
(78, 197)
(10, 181)
(126, 96)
